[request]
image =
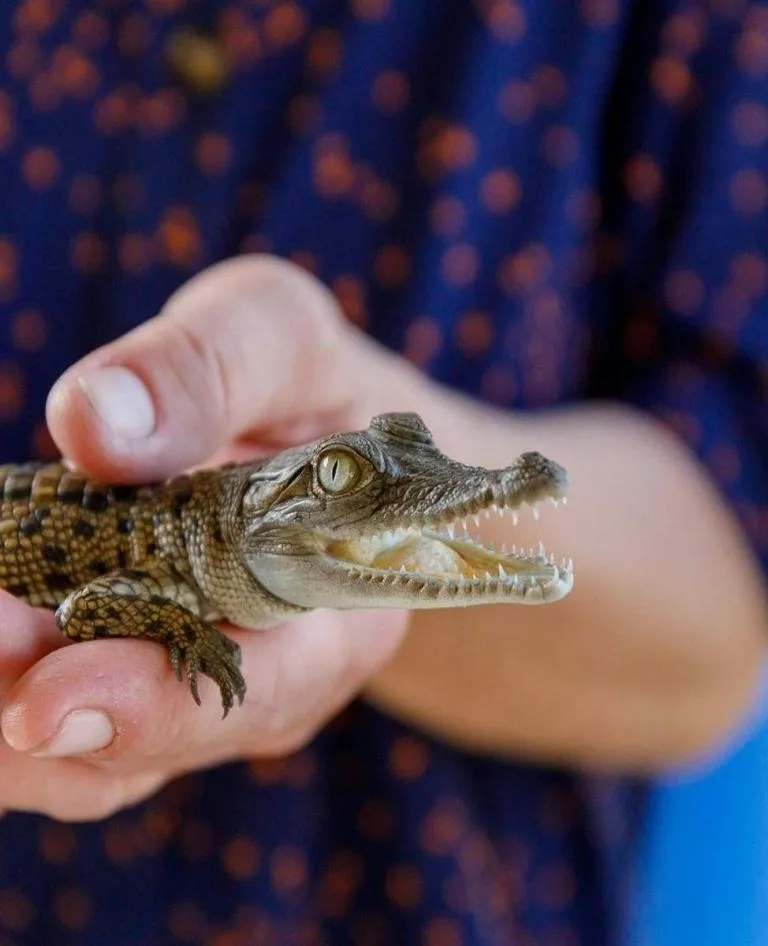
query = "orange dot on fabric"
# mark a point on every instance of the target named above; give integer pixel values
(447, 216)
(74, 72)
(371, 9)
(334, 173)
(37, 15)
(404, 886)
(287, 869)
(135, 253)
(560, 146)
(284, 25)
(392, 266)
(748, 192)
(460, 264)
(517, 101)
(752, 53)
(119, 843)
(89, 252)
(342, 876)
(350, 293)
(408, 758)
(506, 19)
(160, 112)
(29, 331)
(213, 153)
(475, 333)
(684, 32)
(23, 59)
(442, 931)
(7, 122)
(114, 112)
(73, 908)
(324, 52)
(9, 264)
(749, 273)
(500, 190)
(241, 857)
(377, 198)
(41, 168)
(684, 291)
(750, 123)
(12, 391)
(446, 149)
(391, 91)
(180, 237)
(15, 910)
(526, 269)
(442, 828)
(550, 86)
(90, 30)
(671, 79)
(42, 445)
(423, 340)
(600, 14)
(643, 178)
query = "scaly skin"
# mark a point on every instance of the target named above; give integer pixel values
(356, 520)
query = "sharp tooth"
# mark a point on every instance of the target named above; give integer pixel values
(515, 517)
(502, 573)
(402, 568)
(564, 500)
(487, 513)
(452, 530)
(570, 565)
(504, 548)
(542, 550)
(535, 511)
(477, 520)
(495, 508)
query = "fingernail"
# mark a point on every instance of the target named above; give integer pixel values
(82, 732)
(121, 400)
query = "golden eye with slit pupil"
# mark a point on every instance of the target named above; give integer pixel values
(337, 471)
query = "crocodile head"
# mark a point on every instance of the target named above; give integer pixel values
(378, 518)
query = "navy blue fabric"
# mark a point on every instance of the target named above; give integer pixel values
(537, 203)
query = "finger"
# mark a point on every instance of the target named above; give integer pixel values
(105, 700)
(69, 789)
(251, 344)
(27, 635)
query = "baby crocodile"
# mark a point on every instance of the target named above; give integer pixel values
(356, 520)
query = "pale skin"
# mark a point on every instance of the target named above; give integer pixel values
(652, 660)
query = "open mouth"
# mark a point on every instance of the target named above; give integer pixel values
(444, 557)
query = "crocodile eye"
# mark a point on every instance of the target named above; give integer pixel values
(337, 471)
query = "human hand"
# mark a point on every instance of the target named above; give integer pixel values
(248, 357)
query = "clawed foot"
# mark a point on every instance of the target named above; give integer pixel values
(208, 651)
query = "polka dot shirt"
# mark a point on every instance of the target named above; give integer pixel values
(536, 202)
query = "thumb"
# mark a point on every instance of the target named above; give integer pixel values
(254, 347)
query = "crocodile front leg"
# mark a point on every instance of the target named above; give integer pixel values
(142, 603)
